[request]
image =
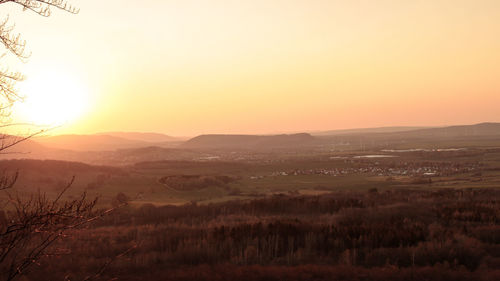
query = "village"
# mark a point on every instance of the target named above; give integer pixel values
(411, 169)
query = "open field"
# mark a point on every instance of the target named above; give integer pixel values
(273, 173)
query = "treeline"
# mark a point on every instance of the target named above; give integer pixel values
(51, 166)
(396, 235)
(194, 182)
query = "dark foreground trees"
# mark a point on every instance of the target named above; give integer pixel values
(400, 235)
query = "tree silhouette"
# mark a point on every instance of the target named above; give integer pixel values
(29, 226)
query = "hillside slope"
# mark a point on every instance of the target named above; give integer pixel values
(249, 141)
(90, 142)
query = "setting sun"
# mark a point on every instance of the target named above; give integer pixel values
(52, 99)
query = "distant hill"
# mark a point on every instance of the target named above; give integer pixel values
(249, 141)
(27, 148)
(118, 157)
(114, 150)
(366, 131)
(89, 142)
(95, 150)
(481, 129)
(146, 137)
(476, 130)
(483, 134)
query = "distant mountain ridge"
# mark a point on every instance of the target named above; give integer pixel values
(22, 147)
(140, 136)
(481, 129)
(74, 147)
(89, 142)
(216, 141)
(367, 130)
(105, 141)
(482, 134)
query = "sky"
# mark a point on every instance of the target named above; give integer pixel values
(262, 66)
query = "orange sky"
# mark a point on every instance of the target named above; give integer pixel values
(191, 67)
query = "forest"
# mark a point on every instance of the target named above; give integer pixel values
(405, 234)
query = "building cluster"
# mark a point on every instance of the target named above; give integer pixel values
(377, 169)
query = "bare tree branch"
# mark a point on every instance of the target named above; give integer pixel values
(35, 224)
(29, 226)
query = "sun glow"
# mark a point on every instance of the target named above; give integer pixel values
(52, 99)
